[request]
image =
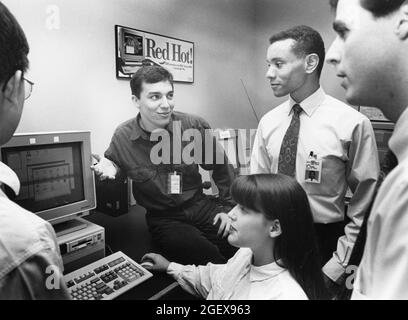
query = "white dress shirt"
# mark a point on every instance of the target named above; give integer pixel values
(383, 272)
(344, 140)
(238, 279)
(28, 247)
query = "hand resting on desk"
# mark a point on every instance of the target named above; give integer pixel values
(155, 262)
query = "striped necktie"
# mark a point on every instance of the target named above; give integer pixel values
(288, 151)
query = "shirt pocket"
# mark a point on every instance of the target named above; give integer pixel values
(332, 177)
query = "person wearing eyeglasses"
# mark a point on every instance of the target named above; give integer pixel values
(30, 263)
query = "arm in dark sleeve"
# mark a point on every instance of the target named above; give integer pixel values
(218, 162)
(113, 154)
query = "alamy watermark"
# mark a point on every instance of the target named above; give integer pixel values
(53, 17)
(351, 272)
(54, 279)
(195, 146)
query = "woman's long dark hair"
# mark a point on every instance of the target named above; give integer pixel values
(281, 197)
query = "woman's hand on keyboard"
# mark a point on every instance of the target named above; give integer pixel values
(155, 262)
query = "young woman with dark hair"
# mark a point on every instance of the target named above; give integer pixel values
(278, 259)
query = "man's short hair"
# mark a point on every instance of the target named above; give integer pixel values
(13, 45)
(308, 41)
(379, 8)
(149, 74)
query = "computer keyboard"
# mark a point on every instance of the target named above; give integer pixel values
(106, 278)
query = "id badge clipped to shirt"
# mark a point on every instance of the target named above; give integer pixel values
(174, 183)
(313, 172)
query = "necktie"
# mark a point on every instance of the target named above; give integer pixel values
(287, 155)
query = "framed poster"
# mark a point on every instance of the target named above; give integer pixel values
(135, 48)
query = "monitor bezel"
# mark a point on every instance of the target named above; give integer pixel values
(75, 209)
(121, 45)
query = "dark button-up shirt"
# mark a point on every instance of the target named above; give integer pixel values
(131, 147)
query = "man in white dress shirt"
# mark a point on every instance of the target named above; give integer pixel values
(30, 264)
(322, 142)
(370, 55)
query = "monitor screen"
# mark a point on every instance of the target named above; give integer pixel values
(54, 172)
(131, 44)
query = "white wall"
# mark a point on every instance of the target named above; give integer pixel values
(74, 67)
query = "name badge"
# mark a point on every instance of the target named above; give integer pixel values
(313, 172)
(174, 184)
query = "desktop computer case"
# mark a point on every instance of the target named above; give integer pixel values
(112, 196)
(82, 247)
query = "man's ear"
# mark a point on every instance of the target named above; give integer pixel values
(402, 22)
(13, 87)
(312, 62)
(136, 101)
(275, 229)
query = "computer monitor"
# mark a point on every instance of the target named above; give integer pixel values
(57, 183)
(130, 44)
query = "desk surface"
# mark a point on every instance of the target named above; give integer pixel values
(128, 233)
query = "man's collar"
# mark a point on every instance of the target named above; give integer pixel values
(138, 131)
(9, 177)
(311, 103)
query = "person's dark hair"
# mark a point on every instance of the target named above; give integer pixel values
(13, 45)
(281, 197)
(308, 41)
(379, 8)
(149, 74)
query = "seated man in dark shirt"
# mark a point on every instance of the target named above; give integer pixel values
(155, 151)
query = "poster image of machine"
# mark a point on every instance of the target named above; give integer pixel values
(135, 48)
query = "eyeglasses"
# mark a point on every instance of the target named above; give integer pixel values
(28, 88)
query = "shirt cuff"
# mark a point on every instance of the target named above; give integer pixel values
(174, 269)
(333, 269)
